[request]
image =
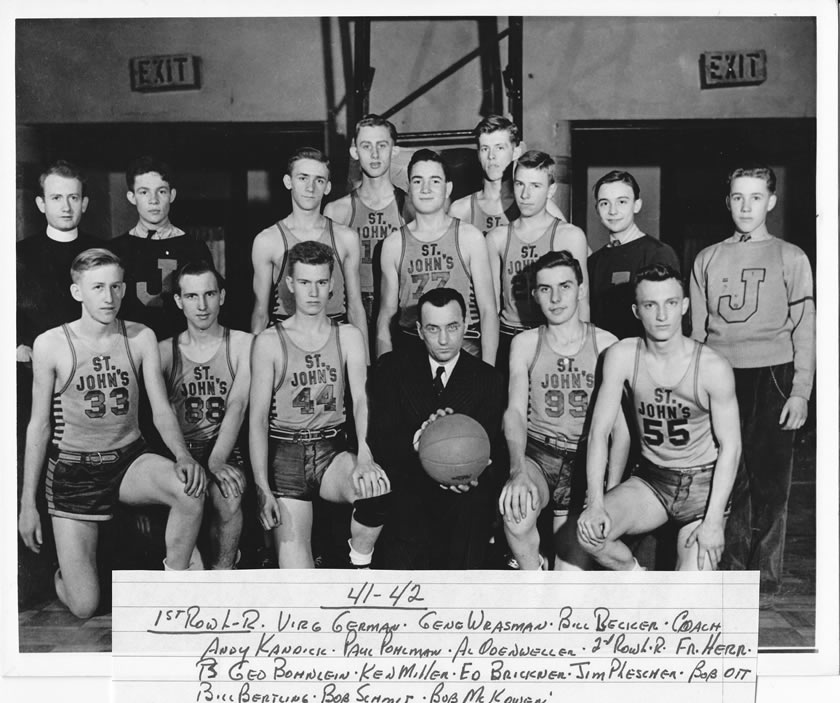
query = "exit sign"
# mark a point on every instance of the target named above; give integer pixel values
(152, 74)
(722, 69)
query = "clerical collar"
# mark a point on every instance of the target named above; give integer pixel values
(58, 235)
(629, 235)
(167, 231)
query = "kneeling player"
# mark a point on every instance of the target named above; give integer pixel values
(683, 397)
(552, 379)
(298, 447)
(208, 373)
(88, 373)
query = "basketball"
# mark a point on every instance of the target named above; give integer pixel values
(454, 449)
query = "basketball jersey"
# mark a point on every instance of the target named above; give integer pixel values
(675, 426)
(373, 226)
(519, 309)
(484, 221)
(560, 388)
(198, 392)
(96, 409)
(285, 302)
(310, 392)
(427, 265)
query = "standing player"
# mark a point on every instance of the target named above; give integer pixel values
(154, 249)
(208, 374)
(612, 267)
(88, 373)
(683, 396)
(552, 383)
(752, 299)
(376, 208)
(308, 179)
(298, 448)
(515, 247)
(435, 251)
(498, 142)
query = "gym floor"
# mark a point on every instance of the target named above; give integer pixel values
(786, 625)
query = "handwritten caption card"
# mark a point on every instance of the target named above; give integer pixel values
(433, 637)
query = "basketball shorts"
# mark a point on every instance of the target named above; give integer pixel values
(560, 469)
(86, 485)
(684, 493)
(201, 450)
(298, 467)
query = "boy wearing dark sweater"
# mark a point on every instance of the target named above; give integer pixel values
(752, 300)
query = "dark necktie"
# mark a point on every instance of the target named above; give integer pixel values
(151, 233)
(745, 238)
(437, 384)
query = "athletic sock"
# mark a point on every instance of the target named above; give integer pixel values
(637, 566)
(358, 559)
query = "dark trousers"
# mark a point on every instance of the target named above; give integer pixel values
(755, 531)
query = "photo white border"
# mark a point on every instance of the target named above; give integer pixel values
(24, 673)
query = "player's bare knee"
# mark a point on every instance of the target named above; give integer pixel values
(521, 527)
(225, 508)
(82, 602)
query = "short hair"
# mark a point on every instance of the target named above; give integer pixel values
(92, 259)
(656, 273)
(311, 253)
(307, 152)
(372, 120)
(553, 259)
(617, 177)
(428, 155)
(498, 123)
(754, 171)
(62, 168)
(439, 298)
(148, 164)
(538, 160)
(197, 268)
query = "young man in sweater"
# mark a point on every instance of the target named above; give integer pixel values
(752, 300)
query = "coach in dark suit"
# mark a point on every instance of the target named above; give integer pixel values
(430, 526)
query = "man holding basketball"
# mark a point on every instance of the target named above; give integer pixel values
(552, 383)
(433, 526)
(683, 399)
(300, 368)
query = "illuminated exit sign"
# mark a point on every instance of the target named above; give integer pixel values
(153, 74)
(722, 69)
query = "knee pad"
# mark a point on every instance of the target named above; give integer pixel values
(371, 512)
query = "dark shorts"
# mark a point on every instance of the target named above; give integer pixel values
(298, 467)
(201, 451)
(87, 486)
(559, 467)
(684, 493)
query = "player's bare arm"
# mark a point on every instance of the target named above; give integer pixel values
(594, 522)
(620, 434)
(263, 251)
(368, 478)
(573, 240)
(475, 253)
(231, 479)
(339, 211)
(349, 249)
(143, 343)
(495, 242)
(38, 433)
(389, 291)
(520, 492)
(266, 355)
(719, 381)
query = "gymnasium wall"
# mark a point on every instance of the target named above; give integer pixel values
(272, 69)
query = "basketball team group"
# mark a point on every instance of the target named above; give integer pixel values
(383, 315)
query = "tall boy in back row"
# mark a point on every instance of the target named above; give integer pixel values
(752, 300)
